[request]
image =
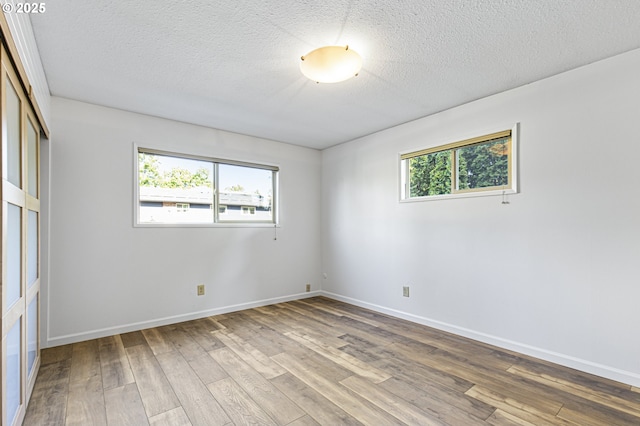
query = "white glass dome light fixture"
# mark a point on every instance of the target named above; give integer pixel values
(331, 64)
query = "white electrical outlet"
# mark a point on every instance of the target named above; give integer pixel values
(405, 291)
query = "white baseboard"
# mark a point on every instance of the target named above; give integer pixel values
(586, 366)
(125, 328)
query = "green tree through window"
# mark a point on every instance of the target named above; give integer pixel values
(431, 174)
(483, 165)
(176, 177)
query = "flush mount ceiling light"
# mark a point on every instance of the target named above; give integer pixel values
(331, 64)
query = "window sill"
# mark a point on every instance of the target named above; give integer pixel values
(207, 225)
(490, 193)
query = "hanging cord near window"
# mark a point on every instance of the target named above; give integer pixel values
(505, 200)
(275, 231)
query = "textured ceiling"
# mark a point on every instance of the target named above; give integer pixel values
(233, 65)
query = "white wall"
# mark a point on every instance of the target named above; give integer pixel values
(107, 276)
(555, 273)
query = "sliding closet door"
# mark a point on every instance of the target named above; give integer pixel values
(20, 246)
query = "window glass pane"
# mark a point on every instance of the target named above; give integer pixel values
(32, 334)
(32, 163)
(13, 372)
(32, 247)
(430, 174)
(483, 165)
(247, 193)
(174, 190)
(14, 262)
(13, 135)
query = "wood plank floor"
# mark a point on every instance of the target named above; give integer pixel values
(309, 362)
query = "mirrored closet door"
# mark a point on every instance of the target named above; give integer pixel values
(20, 213)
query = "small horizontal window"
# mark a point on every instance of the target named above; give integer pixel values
(179, 189)
(484, 165)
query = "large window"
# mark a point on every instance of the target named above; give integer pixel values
(483, 165)
(180, 189)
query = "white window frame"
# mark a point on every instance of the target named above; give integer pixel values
(403, 168)
(215, 206)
